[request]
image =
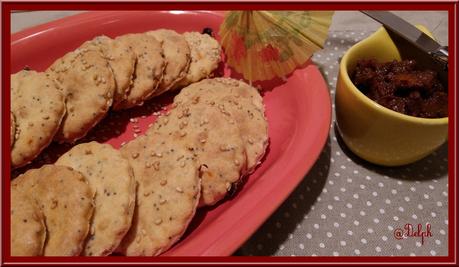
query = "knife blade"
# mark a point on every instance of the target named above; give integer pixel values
(411, 34)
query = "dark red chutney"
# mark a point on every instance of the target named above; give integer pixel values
(403, 87)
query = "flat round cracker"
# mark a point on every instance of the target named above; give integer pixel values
(28, 231)
(205, 57)
(66, 200)
(167, 194)
(214, 139)
(38, 108)
(148, 70)
(88, 84)
(177, 56)
(12, 129)
(122, 61)
(111, 177)
(245, 105)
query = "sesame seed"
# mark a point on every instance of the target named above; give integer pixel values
(163, 182)
(158, 221)
(135, 155)
(178, 189)
(236, 162)
(203, 140)
(162, 201)
(156, 165)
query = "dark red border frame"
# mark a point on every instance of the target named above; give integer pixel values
(451, 7)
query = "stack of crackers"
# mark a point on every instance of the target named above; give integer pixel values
(139, 200)
(67, 100)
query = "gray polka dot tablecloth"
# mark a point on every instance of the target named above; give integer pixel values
(347, 207)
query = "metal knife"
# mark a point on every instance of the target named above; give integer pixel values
(412, 34)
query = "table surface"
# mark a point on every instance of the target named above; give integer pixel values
(344, 205)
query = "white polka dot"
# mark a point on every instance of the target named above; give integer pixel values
(336, 198)
(357, 252)
(376, 220)
(382, 211)
(445, 193)
(316, 226)
(399, 182)
(349, 232)
(398, 247)
(420, 206)
(442, 232)
(337, 174)
(438, 242)
(370, 230)
(324, 190)
(356, 171)
(362, 213)
(290, 236)
(331, 182)
(433, 252)
(439, 204)
(314, 255)
(446, 222)
(414, 216)
(349, 180)
(401, 209)
(375, 194)
(362, 186)
(433, 214)
(369, 204)
(384, 238)
(356, 196)
(323, 216)
(390, 227)
(330, 207)
(342, 189)
(368, 178)
(343, 215)
(308, 236)
(342, 243)
(380, 184)
(431, 187)
(407, 199)
(349, 205)
(413, 189)
(393, 191)
(322, 245)
(412, 254)
(418, 244)
(301, 246)
(396, 218)
(336, 224)
(387, 201)
(356, 222)
(426, 196)
(378, 249)
(329, 235)
(363, 240)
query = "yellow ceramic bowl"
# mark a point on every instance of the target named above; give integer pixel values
(373, 132)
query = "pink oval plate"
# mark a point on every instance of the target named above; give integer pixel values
(298, 113)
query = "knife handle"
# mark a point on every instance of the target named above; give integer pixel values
(441, 56)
